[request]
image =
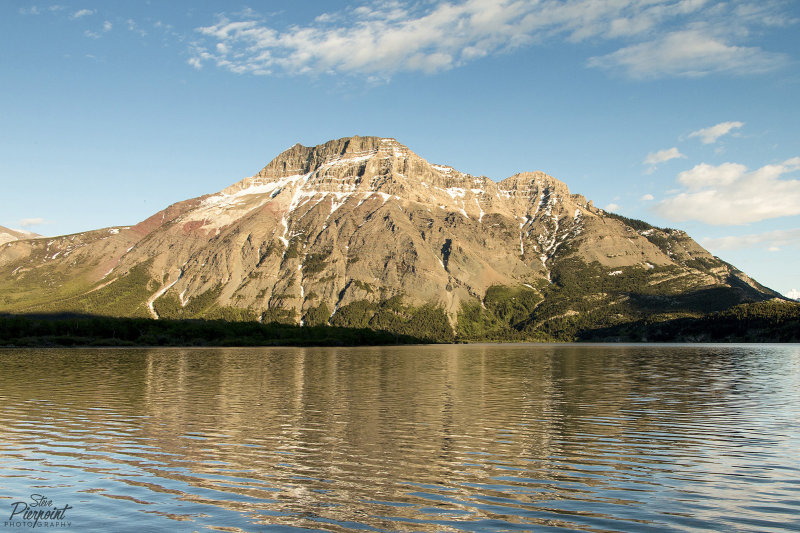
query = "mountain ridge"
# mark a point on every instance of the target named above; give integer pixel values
(9, 235)
(360, 221)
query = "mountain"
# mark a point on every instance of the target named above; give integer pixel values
(362, 232)
(8, 235)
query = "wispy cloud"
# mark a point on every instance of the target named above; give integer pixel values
(132, 26)
(710, 135)
(28, 222)
(647, 198)
(612, 207)
(385, 37)
(728, 194)
(35, 10)
(689, 54)
(82, 13)
(654, 159)
(32, 10)
(775, 240)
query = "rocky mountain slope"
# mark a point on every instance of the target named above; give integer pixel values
(8, 235)
(361, 232)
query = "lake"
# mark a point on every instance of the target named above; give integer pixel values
(414, 438)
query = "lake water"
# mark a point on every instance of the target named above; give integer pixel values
(419, 438)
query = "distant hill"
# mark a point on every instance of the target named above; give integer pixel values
(8, 235)
(362, 232)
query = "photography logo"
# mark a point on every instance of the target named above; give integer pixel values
(38, 511)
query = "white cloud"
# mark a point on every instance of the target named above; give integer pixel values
(794, 294)
(385, 37)
(82, 13)
(28, 222)
(690, 54)
(612, 207)
(656, 158)
(132, 26)
(785, 238)
(107, 26)
(647, 198)
(710, 135)
(728, 194)
(35, 10)
(380, 39)
(705, 175)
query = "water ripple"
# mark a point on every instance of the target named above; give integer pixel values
(437, 438)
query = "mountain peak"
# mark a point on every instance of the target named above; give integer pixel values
(357, 168)
(537, 179)
(301, 159)
(331, 231)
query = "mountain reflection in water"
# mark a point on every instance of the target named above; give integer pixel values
(429, 438)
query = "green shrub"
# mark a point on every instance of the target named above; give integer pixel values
(315, 263)
(317, 316)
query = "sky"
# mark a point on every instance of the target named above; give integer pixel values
(682, 113)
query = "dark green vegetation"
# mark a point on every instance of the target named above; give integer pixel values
(589, 303)
(582, 302)
(641, 226)
(770, 321)
(427, 322)
(204, 306)
(84, 330)
(502, 317)
(317, 316)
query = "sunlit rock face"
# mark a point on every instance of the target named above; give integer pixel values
(358, 219)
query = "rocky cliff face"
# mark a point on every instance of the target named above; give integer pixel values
(363, 219)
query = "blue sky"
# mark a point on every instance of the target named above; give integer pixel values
(683, 113)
